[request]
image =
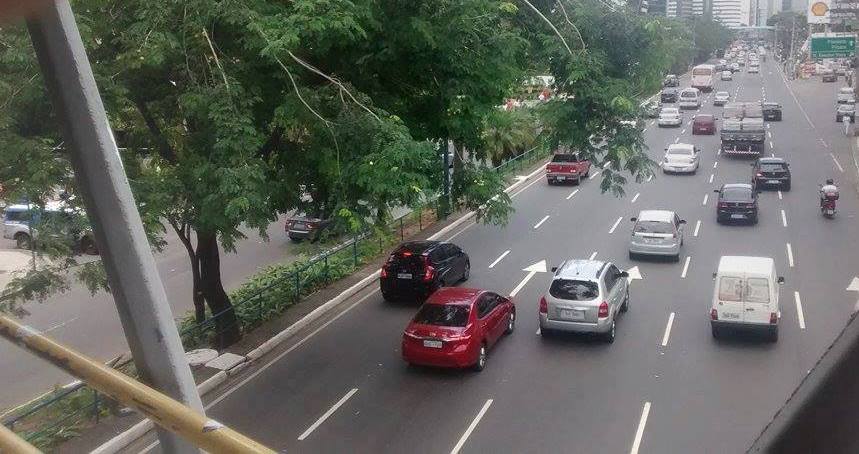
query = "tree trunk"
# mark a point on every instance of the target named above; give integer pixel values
(197, 291)
(227, 330)
(457, 185)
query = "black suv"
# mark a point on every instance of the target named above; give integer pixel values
(671, 81)
(737, 201)
(772, 111)
(771, 172)
(668, 95)
(418, 268)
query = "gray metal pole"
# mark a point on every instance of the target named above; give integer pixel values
(137, 289)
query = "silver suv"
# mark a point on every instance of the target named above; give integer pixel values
(585, 297)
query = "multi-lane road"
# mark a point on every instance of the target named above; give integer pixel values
(664, 386)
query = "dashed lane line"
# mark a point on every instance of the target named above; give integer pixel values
(799, 314)
(639, 432)
(789, 255)
(572, 194)
(471, 427)
(327, 414)
(594, 175)
(500, 258)
(537, 225)
(837, 164)
(685, 267)
(783, 218)
(697, 228)
(616, 223)
(593, 255)
(668, 330)
(706, 198)
(634, 198)
(711, 177)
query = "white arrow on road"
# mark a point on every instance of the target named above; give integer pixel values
(539, 267)
(854, 287)
(634, 274)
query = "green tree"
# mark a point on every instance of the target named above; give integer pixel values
(507, 134)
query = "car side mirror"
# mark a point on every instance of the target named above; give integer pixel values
(780, 280)
(682, 221)
(623, 274)
(714, 276)
(554, 268)
(633, 219)
(716, 191)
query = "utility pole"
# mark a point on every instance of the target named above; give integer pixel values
(790, 58)
(445, 193)
(134, 281)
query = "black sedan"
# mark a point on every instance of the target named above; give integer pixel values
(737, 201)
(772, 111)
(669, 94)
(416, 269)
(771, 172)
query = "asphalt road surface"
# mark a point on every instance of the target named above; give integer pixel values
(664, 386)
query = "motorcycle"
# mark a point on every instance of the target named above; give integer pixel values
(827, 204)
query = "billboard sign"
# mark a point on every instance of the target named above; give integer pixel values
(833, 45)
(818, 11)
(843, 11)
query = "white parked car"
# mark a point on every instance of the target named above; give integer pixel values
(680, 158)
(721, 98)
(670, 116)
(727, 75)
(746, 295)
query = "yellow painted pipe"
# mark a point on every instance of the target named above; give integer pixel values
(171, 415)
(11, 443)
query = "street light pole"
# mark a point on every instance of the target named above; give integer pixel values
(134, 281)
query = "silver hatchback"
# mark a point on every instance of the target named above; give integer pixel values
(585, 297)
(656, 232)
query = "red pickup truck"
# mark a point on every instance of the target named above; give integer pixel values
(567, 167)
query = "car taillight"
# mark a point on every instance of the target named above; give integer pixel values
(603, 313)
(723, 205)
(544, 307)
(773, 318)
(311, 225)
(429, 271)
(384, 272)
(714, 315)
(759, 174)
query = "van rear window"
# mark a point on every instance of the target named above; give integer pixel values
(730, 289)
(757, 290)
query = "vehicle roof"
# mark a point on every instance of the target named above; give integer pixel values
(845, 90)
(746, 265)
(772, 160)
(737, 186)
(656, 216)
(454, 295)
(705, 116)
(722, 93)
(418, 247)
(581, 269)
(770, 103)
(681, 146)
(690, 89)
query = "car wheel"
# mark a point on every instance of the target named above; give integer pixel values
(587, 172)
(295, 239)
(546, 333)
(717, 333)
(610, 335)
(773, 334)
(467, 273)
(719, 219)
(481, 358)
(676, 258)
(550, 182)
(786, 187)
(625, 306)
(632, 255)
(754, 220)
(22, 241)
(511, 323)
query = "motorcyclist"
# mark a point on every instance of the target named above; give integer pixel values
(828, 188)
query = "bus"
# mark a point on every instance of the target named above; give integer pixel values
(702, 77)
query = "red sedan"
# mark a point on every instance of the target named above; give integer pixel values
(456, 327)
(704, 124)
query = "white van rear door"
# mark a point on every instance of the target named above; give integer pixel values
(729, 296)
(757, 300)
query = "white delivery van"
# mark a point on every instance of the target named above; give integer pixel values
(690, 98)
(746, 295)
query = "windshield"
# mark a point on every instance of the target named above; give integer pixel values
(454, 315)
(564, 158)
(740, 194)
(573, 290)
(702, 72)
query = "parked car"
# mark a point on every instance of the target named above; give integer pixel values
(656, 232)
(846, 96)
(746, 295)
(300, 227)
(669, 94)
(671, 80)
(721, 98)
(680, 158)
(771, 111)
(703, 124)
(456, 327)
(737, 201)
(416, 269)
(585, 296)
(771, 172)
(669, 116)
(828, 75)
(566, 167)
(845, 111)
(22, 222)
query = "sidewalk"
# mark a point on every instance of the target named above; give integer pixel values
(12, 260)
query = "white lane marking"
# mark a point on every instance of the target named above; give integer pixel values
(593, 256)
(611, 230)
(594, 175)
(668, 330)
(608, 163)
(769, 134)
(572, 194)
(492, 265)
(634, 198)
(715, 164)
(790, 90)
(772, 155)
(799, 310)
(639, 433)
(789, 255)
(536, 180)
(837, 164)
(719, 152)
(779, 195)
(471, 428)
(697, 228)
(677, 140)
(706, 197)
(649, 177)
(653, 122)
(327, 414)
(537, 225)
(771, 144)
(467, 226)
(683, 131)
(783, 218)
(711, 177)
(685, 267)
(824, 143)
(768, 125)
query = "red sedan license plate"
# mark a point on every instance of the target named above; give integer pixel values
(432, 344)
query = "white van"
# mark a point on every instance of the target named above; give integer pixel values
(746, 295)
(690, 98)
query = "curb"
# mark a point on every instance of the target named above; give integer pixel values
(121, 441)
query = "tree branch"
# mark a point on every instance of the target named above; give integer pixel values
(164, 148)
(217, 61)
(546, 19)
(567, 18)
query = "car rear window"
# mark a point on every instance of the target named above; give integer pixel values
(564, 158)
(653, 227)
(567, 289)
(772, 167)
(682, 151)
(737, 194)
(442, 315)
(17, 216)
